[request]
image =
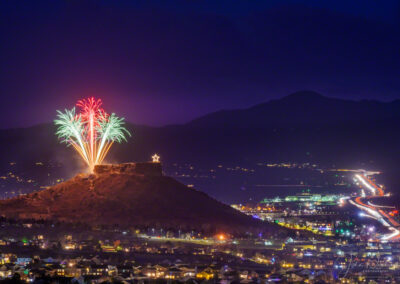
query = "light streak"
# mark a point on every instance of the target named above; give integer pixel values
(369, 216)
(369, 210)
(392, 235)
(373, 210)
(91, 132)
(380, 206)
(366, 184)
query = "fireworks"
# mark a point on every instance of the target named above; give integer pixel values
(91, 132)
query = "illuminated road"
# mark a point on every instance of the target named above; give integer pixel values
(370, 191)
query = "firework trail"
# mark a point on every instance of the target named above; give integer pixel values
(91, 132)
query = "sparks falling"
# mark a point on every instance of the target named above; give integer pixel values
(92, 131)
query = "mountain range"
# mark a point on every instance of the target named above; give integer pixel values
(303, 127)
(304, 108)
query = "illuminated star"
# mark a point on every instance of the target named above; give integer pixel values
(156, 158)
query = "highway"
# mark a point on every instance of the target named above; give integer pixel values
(371, 191)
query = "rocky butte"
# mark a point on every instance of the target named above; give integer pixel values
(130, 195)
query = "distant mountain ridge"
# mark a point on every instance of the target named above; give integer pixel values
(303, 107)
(302, 127)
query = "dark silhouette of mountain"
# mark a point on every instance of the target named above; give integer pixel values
(302, 127)
(130, 195)
(330, 130)
(304, 107)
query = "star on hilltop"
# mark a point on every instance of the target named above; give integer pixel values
(156, 158)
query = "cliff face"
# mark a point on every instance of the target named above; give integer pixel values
(129, 195)
(148, 169)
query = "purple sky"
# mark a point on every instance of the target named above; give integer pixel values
(163, 62)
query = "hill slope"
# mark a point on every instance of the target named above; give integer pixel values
(128, 198)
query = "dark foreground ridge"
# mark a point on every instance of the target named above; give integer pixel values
(131, 194)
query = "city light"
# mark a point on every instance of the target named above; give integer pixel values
(221, 237)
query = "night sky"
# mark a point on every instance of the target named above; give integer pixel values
(163, 62)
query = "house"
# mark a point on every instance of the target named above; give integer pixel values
(173, 273)
(6, 271)
(206, 274)
(124, 270)
(293, 277)
(56, 270)
(151, 272)
(23, 260)
(98, 270)
(187, 271)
